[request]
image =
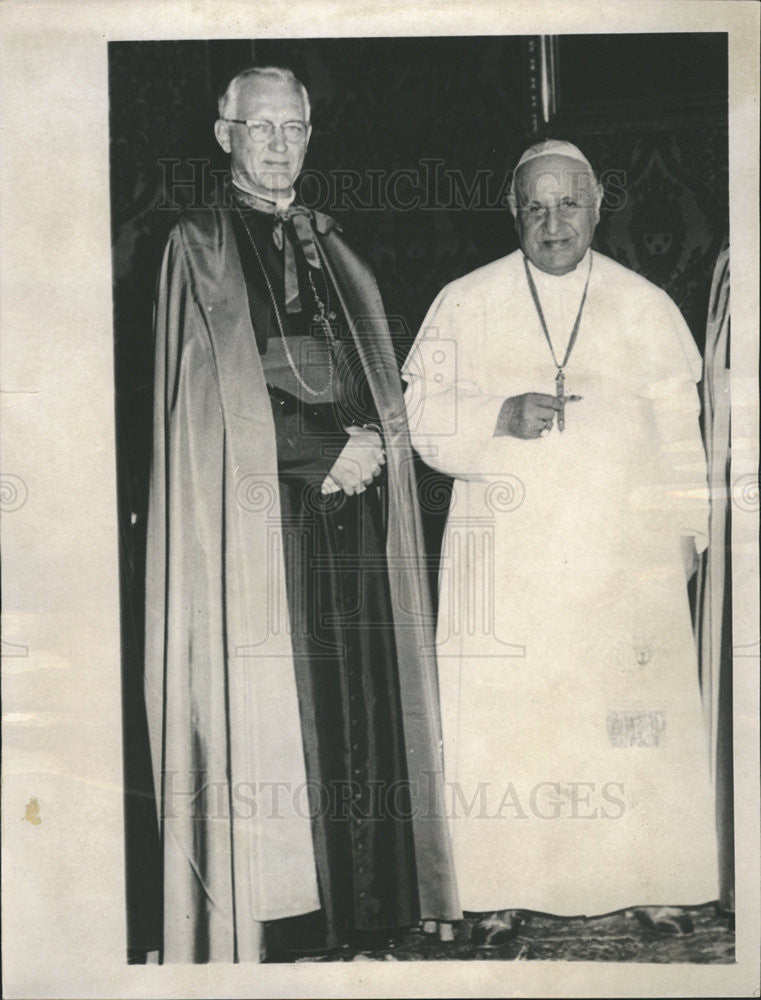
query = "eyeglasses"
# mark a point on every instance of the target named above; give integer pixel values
(261, 131)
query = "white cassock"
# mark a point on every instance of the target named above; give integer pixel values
(575, 751)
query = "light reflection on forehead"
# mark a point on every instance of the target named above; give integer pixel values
(270, 99)
(548, 183)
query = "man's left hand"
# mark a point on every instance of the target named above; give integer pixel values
(358, 464)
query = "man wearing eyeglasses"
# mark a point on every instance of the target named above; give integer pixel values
(559, 390)
(289, 676)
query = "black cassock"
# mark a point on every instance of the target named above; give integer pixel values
(339, 603)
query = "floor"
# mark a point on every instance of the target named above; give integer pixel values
(613, 938)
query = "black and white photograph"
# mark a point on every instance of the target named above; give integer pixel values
(408, 541)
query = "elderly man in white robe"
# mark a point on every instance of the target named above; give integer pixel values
(558, 389)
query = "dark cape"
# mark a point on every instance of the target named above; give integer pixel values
(224, 661)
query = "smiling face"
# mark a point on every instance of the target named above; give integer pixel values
(266, 168)
(557, 209)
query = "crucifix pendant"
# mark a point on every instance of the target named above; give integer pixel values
(560, 395)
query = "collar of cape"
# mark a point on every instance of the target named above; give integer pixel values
(282, 208)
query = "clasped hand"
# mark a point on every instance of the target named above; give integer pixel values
(358, 464)
(529, 415)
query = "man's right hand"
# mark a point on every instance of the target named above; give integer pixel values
(530, 415)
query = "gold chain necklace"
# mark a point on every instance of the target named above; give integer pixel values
(560, 366)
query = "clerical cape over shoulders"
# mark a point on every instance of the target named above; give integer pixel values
(207, 225)
(639, 313)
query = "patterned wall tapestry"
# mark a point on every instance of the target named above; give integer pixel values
(674, 215)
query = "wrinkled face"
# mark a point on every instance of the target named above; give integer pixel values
(264, 166)
(558, 207)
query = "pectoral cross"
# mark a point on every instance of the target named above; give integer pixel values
(560, 377)
(560, 396)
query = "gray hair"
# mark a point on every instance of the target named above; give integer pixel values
(230, 95)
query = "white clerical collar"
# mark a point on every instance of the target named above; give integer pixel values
(568, 281)
(277, 204)
(284, 201)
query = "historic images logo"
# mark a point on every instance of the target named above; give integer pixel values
(201, 797)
